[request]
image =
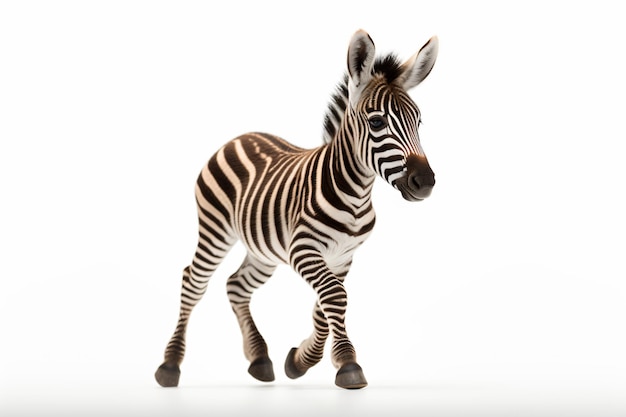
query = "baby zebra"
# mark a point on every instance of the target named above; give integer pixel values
(309, 208)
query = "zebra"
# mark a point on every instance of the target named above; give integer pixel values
(308, 208)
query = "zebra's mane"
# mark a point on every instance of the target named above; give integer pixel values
(389, 66)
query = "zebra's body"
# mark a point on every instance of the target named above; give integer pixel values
(282, 178)
(309, 208)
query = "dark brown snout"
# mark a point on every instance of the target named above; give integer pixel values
(419, 180)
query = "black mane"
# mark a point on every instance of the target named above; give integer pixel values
(388, 66)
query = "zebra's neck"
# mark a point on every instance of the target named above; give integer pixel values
(351, 179)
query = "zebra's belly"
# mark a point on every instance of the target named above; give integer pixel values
(336, 252)
(267, 249)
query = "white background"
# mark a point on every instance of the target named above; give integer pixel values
(503, 294)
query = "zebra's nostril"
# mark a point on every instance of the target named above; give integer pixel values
(415, 182)
(418, 181)
(421, 184)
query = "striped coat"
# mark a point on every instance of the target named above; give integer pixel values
(309, 208)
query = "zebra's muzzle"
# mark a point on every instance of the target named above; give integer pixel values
(419, 180)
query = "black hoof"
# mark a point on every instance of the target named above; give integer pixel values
(350, 376)
(262, 369)
(167, 376)
(290, 365)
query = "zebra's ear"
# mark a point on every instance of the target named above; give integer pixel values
(360, 62)
(417, 68)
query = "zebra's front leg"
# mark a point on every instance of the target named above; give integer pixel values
(251, 275)
(333, 300)
(311, 350)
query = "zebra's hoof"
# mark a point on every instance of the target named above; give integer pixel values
(350, 376)
(167, 375)
(262, 369)
(290, 365)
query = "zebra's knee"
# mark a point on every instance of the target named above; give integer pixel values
(237, 291)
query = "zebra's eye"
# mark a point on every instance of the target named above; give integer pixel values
(377, 122)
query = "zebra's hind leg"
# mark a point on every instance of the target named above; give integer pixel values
(251, 275)
(311, 350)
(195, 280)
(168, 374)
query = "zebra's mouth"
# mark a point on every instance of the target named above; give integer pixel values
(411, 195)
(411, 198)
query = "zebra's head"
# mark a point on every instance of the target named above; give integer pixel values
(385, 118)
